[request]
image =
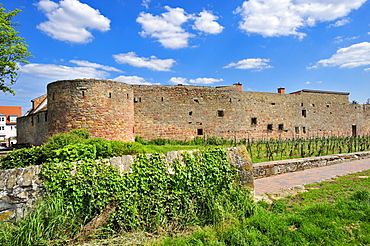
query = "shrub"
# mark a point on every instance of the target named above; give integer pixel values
(82, 133)
(74, 152)
(103, 147)
(120, 148)
(23, 158)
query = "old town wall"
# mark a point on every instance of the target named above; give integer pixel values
(103, 107)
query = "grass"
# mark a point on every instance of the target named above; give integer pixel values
(331, 213)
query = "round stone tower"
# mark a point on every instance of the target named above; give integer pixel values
(103, 107)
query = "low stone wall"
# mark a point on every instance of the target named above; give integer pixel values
(266, 169)
(20, 187)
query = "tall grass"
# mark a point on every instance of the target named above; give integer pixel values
(49, 223)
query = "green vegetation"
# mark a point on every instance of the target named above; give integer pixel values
(13, 49)
(201, 190)
(331, 213)
(71, 146)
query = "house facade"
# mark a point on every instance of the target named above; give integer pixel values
(8, 124)
(118, 111)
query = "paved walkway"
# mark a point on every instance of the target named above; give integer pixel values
(309, 176)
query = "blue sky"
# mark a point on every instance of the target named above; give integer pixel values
(263, 44)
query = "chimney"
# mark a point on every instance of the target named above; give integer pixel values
(281, 90)
(240, 86)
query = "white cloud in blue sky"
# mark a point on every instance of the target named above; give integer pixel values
(167, 27)
(273, 18)
(356, 55)
(152, 62)
(256, 64)
(71, 21)
(199, 42)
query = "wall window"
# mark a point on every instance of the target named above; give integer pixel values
(220, 113)
(296, 129)
(269, 127)
(254, 121)
(2, 128)
(281, 127)
(200, 132)
(2, 118)
(304, 113)
(191, 113)
(137, 99)
(304, 130)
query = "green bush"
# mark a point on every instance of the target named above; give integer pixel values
(103, 147)
(82, 133)
(74, 152)
(200, 192)
(23, 158)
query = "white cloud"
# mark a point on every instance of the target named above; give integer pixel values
(145, 3)
(133, 80)
(205, 81)
(367, 69)
(58, 72)
(252, 63)
(308, 82)
(95, 65)
(206, 22)
(340, 39)
(350, 57)
(152, 62)
(341, 22)
(185, 81)
(167, 27)
(71, 20)
(178, 80)
(271, 18)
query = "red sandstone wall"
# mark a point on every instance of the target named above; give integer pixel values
(103, 107)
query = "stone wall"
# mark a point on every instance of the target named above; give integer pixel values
(20, 187)
(33, 129)
(103, 107)
(118, 111)
(266, 169)
(185, 112)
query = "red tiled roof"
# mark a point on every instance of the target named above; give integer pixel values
(10, 110)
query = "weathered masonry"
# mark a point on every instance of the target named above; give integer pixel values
(115, 110)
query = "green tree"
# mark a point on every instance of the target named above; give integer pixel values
(13, 49)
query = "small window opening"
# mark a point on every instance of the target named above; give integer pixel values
(38, 118)
(327, 105)
(191, 113)
(83, 93)
(296, 129)
(137, 99)
(281, 127)
(162, 99)
(53, 96)
(199, 132)
(304, 113)
(128, 97)
(254, 121)
(46, 117)
(313, 105)
(220, 113)
(273, 103)
(110, 95)
(189, 123)
(302, 104)
(269, 127)
(230, 99)
(304, 130)
(196, 100)
(32, 120)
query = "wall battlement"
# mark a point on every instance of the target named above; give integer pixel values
(118, 111)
